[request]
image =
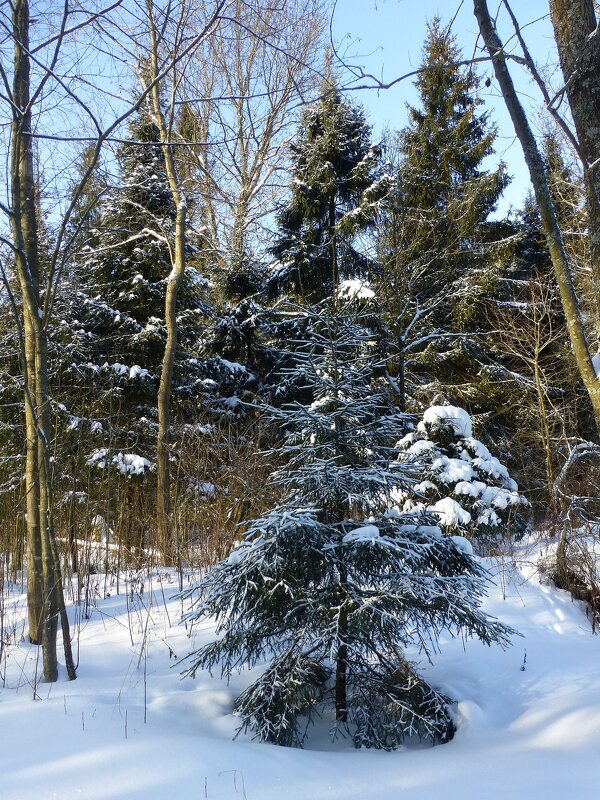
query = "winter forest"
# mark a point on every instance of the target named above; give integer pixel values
(299, 425)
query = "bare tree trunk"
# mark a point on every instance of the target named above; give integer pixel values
(35, 601)
(341, 671)
(539, 180)
(50, 576)
(166, 375)
(238, 231)
(165, 122)
(44, 584)
(53, 587)
(578, 41)
(174, 283)
(541, 399)
(24, 227)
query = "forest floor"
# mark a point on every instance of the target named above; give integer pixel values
(129, 727)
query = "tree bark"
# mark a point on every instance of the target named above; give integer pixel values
(341, 669)
(174, 283)
(166, 125)
(166, 378)
(44, 582)
(24, 229)
(537, 172)
(578, 41)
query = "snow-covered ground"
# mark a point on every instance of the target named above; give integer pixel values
(130, 728)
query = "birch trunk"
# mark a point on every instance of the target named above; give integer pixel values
(24, 229)
(166, 376)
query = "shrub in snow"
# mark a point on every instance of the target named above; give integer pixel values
(330, 586)
(467, 489)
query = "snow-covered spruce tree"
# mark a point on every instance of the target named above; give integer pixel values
(117, 335)
(336, 191)
(330, 587)
(464, 486)
(109, 338)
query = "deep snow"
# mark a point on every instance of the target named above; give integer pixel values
(522, 733)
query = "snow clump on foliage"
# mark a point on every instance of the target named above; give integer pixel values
(126, 464)
(456, 418)
(469, 490)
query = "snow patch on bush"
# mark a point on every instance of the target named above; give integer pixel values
(354, 289)
(127, 464)
(465, 485)
(450, 470)
(452, 416)
(138, 372)
(464, 545)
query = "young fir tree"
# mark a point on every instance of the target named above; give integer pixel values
(467, 489)
(336, 191)
(331, 586)
(110, 338)
(435, 227)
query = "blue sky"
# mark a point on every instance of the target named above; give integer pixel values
(385, 37)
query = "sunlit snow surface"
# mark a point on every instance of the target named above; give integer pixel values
(522, 733)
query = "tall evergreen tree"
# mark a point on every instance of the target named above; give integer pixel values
(336, 190)
(445, 192)
(110, 335)
(118, 338)
(436, 227)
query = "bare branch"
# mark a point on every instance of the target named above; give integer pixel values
(530, 64)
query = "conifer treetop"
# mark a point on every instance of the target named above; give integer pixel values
(336, 192)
